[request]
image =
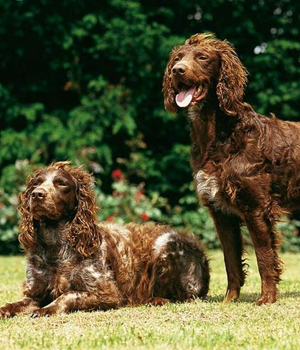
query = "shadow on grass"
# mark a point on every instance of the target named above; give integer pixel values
(244, 298)
(288, 295)
(252, 297)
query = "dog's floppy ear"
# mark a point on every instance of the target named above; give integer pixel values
(232, 79)
(27, 237)
(83, 232)
(168, 89)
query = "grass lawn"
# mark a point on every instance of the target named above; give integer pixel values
(194, 325)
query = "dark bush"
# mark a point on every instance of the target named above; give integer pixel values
(82, 81)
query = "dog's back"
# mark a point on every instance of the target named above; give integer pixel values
(153, 260)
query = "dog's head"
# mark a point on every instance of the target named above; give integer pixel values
(201, 69)
(60, 193)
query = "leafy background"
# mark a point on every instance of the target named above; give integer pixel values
(81, 80)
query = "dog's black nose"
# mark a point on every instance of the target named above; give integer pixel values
(38, 193)
(179, 69)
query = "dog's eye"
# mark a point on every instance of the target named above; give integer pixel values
(176, 59)
(62, 184)
(202, 58)
(36, 182)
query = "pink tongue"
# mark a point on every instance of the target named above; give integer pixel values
(184, 98)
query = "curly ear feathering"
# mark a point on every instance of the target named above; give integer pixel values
(75, 262)
(245, 165)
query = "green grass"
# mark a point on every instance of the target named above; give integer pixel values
(195, 325)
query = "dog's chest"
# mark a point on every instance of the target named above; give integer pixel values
(218, 194)
(208, 188)
(58, 275)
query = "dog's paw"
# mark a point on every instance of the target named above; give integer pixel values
(232, 295)
(266, 299)
(157, 301)
(43, 312)
(7, 311)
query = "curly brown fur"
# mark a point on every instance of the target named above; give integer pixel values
(76, 263)
(245, 165)
(81, 230)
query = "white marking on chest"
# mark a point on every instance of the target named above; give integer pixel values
(37, 271)
(207, 185)
(32, 273)
(162, 240)
(93, 272)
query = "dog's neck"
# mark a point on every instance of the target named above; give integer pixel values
(202, 121)
(210, 127)
(195, 112)
(51, 232)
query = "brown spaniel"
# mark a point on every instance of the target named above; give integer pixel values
(77, 263)
(246, 166)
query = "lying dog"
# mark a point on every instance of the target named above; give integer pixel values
(76, 263)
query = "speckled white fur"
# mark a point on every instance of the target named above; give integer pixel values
(207, 186)
(162, 240)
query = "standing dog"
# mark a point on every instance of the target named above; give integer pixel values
(246, 166)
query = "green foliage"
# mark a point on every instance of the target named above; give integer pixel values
(9, 201)
(290, 234)
(82, 81)
(129, 202)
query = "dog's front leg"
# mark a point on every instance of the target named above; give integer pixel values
(229, 232)
(25, 305)
(108, 297)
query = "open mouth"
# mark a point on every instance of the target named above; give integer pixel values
(188, 94)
